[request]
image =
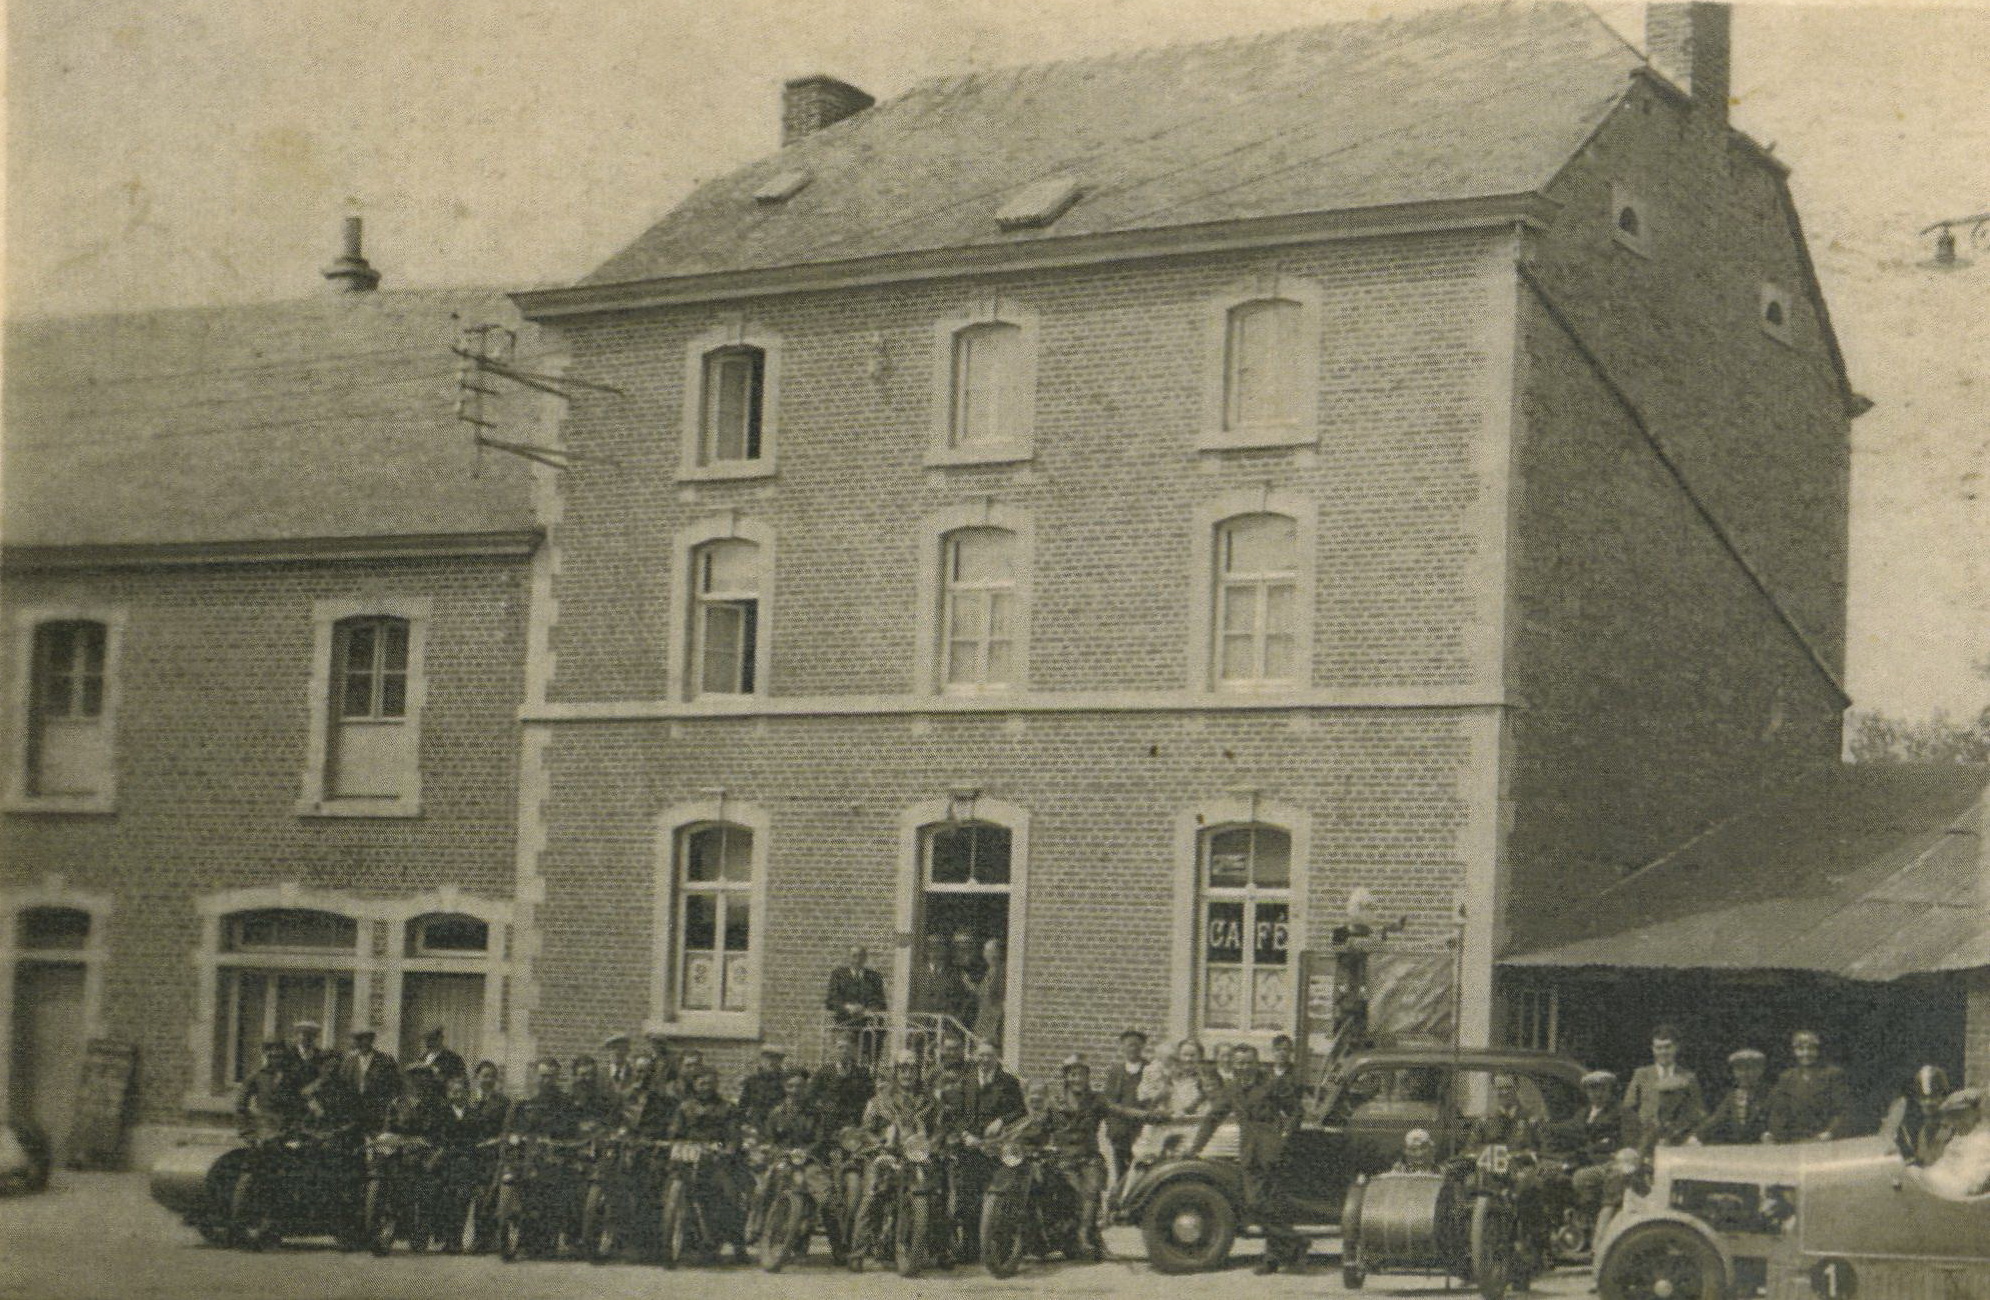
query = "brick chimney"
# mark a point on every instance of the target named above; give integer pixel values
(810, 103)
(1688, 43)
(350, 272)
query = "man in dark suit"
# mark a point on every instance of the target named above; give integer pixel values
(1261, 1107)
(1811, 1100)
(270, 1102)
(842, 1088)
(1599, 1132)
(1664, 1097)
(1743, 1114)
(446, 1064)
(763, 1090)
(371, 1082)
(1122, 1088)
(856, 992)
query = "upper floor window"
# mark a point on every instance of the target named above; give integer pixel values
(734, 393)
(365, 722)
(731, 395)
(979, 614)
(984, 385)
(1243, 975)
(1264, 376)
(68, 750)
(1261, 364)
(726, 620)
(1256, 588)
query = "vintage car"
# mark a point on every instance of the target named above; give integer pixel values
(1190, 1211)
(1844, 1220)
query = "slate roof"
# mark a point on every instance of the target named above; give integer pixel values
(330, 417)
(1450, 104)
(1871, 872)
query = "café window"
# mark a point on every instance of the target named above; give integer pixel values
(1244, 969)
(714, 921)
(278, 966)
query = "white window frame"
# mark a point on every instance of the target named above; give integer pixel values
(665, 951)
(684, 671)
(330, 964)
(1206, 584)
(1622, 197)
(22, 755)
(378, 963)
(1019, 442)
(931, 624)
(734, 332)
(1302, 429)
(317, 799)
(1191, 825)
(53, 890)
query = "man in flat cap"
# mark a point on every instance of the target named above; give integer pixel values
(446, 1063)
(762, 1090)
(372, 1079)
(1122, 1089)
(1742, 1117)
(1811, 1102)
(619, 1072)
(1601, 1130)
(1963, 1168)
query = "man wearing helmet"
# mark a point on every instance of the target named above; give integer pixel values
(1419, 1153)
(1076, 1115)
(1914, 1121)
(901, 1110)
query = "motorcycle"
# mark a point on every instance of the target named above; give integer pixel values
(695, 1214)
(299, 1184)
(793, 1215)
(537, 1181)
(919, 1226)
(1030, 1209)
(622, 1182)
(1458, 1222)
(400, 1192)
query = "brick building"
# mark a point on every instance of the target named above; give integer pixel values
(265, 627)
(1154, 510)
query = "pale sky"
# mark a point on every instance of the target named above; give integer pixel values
(177, 152)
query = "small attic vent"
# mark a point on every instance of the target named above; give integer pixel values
(781, 187)
(1038, 204)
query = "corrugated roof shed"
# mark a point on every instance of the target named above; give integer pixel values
(1871, 872)
(331, 417)
(1472, 102)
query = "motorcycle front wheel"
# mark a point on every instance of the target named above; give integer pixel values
(783, 1235)
(1001, 1234)
(914, 1227)
(379, 1219)
(670, 1226)
(596, 1244)
(510, 1225)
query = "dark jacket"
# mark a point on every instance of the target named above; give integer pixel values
(841, 1096)
(1600, 1135)
(1264, 1118)
(1737, 1119)
(795, 1124)
(999, 1098)
(864, 987)
(446, 1064)
(270, 1102)
(1666, 1112)
(1122, 1089)
(549, 1117)
(702, 1120)
(1809, 1101)
(1515, 1130)
(760, 1093)
(372, 1090)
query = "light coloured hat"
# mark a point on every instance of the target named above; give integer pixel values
(1598, 1076)
(1745, 1055)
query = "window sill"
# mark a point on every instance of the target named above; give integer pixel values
(1257, 438)
(716, 703)
(1007, 453)
(739, 1026)
(726, 471)
(359, 807)
(91, 805)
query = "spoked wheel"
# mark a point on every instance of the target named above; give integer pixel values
(379, 1219)
(914, 1223)
(1664, 1261)
(1492, 1248)
(510, 1225)
(1001, 1235)
(249, 1226)
(782, 1234)
(671, 1226)
(597, 1243)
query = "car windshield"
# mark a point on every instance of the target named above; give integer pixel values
(1390, 1093)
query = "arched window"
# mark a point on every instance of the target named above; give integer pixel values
(979, 612)
(68, 741)
(726, 580)
(731, 404)
(1244, 966)
(714, 926)
(988, 397)
(276, 967)
(1256, 591)
(1262, 364)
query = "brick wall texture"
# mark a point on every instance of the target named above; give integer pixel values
(212, 733)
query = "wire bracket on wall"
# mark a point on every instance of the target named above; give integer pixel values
(487, 353)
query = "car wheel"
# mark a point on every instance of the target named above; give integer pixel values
(1662, 1261)
(1189, 1228)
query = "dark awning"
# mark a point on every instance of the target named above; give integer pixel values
(1869, 873)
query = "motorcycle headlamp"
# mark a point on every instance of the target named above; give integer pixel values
(918, 1149)
(1011, 1157)
(1628, 1162)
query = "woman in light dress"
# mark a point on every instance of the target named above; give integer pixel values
(1173, 1086)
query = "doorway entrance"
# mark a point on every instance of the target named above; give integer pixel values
(961, 925)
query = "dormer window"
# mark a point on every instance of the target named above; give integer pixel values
(1630, 222)
(1774, 312)
(1038, 204)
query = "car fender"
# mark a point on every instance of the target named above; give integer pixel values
(1630, 1220)
(1225, 1175)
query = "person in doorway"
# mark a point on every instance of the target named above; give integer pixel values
(1743, 1114)
(1664, 1097)
(990, 993)
(856, 992)
(1812, 1101)
(446, 1064)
